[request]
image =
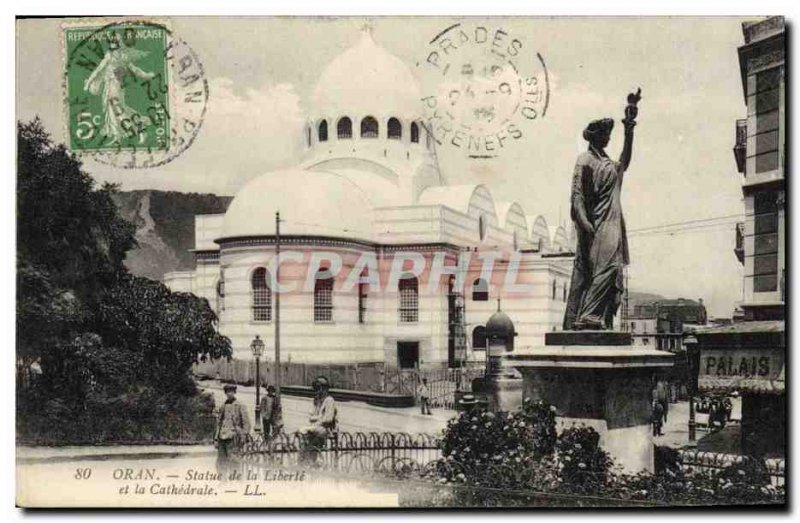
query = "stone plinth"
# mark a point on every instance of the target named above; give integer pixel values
(606, 387)
(504, 392)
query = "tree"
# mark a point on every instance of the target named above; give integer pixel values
(92, 325)
(161, 332)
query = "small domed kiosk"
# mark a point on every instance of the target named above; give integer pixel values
(503, 388)
(500, 335)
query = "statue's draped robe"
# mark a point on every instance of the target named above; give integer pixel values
(596, 287)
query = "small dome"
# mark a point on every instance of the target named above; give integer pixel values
(367, 80)
(311, 203)
(500, 326)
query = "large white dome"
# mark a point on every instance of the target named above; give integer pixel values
(367, 79)
(311, 203)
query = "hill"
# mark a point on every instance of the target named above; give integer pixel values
(164, 228)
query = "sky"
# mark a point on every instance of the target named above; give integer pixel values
(262, 72)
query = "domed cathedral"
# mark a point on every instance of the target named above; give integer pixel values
(381, 260)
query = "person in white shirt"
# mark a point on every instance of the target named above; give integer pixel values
(424, 397)
(323, 419)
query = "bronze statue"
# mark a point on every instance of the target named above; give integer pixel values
(596, 288)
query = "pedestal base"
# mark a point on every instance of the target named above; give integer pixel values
(504, 393)
(606, 387)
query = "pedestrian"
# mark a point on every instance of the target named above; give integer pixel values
(271, 413)
(657, 418)
(712, 415)
(324, 421)
(233, 427)
(665, 408)
(424, 397)
(728, 406)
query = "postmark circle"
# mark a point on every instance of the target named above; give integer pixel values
(482, 88)
(135, 93)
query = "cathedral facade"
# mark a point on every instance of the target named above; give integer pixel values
(381, 260)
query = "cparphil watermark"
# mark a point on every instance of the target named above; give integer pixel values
(384, 272)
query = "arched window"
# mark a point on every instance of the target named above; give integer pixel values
(516, 241)
(480, 290)
(308, 136)
(322, 131)
(554, 289)
(479, 337)
(262, 296)
(414, 132)
(369, 127)
(363, 288)
(481, 227)
(344, 129)
(394, 129)
(221, 292)
(323, 296)
(408, 291)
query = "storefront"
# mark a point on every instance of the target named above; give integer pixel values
(749, 359)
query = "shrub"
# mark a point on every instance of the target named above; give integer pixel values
(139, 416)
(583, 465)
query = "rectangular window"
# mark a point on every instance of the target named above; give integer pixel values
(362, 303)
(767, 162)
(262, 304)
(323, 300)
(409, 300)
(767, 141)
(767, 122)
(765, 102)
(765, 239)
(768, 80)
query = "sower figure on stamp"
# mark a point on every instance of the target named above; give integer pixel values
(602, 253)
(233, 426)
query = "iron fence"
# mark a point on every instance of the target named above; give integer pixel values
(699, 461)
(357, 452)
(418, 461)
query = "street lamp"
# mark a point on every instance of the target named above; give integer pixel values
(257, 346)
(690, 342)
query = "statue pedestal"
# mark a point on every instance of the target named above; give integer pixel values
(504, 392)
(597, 379)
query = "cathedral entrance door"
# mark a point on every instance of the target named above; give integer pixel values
(407, 354)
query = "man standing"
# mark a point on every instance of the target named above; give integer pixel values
(233, 426)
(271, 413)
(658, 418)
(424, 396)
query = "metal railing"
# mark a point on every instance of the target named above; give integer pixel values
(699, 461)
(356, 452)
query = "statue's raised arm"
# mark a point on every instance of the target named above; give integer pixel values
(631, 111)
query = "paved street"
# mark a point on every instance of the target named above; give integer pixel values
(353, 416)
(676, 430)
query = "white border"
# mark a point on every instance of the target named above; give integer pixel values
(154, 8)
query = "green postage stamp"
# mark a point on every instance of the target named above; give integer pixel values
(117, 87)
(135, 94)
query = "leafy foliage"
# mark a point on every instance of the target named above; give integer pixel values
(584, 465)
(100, 336)
(517, 459)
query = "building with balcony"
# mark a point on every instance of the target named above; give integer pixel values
(748, 356)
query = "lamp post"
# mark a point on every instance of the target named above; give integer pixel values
(690, 342)
(257, 346)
